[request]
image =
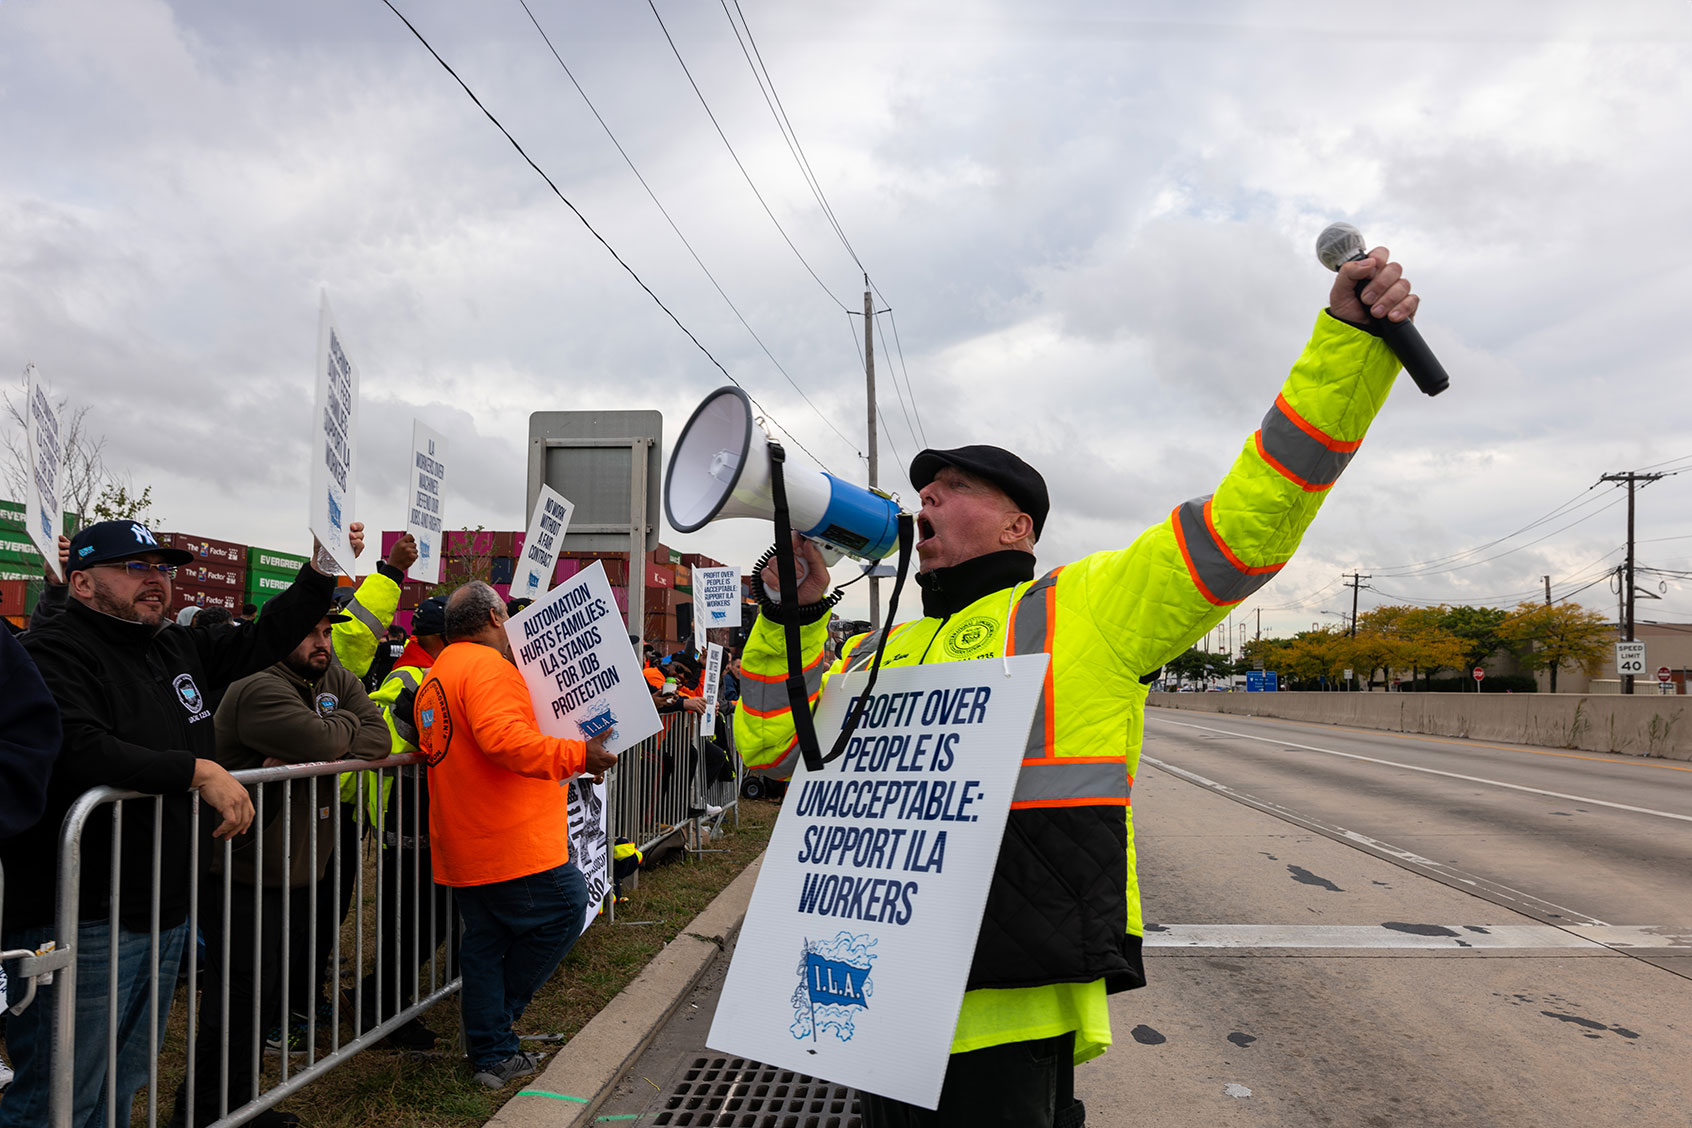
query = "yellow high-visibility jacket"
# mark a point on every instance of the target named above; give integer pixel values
(371, 610)
(1107, 620)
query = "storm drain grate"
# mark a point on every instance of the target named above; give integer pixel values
(737, 1093)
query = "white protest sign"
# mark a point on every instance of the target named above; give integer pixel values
(583, 676)
(334, 429)
(712, 687)
(716, 600)
(423, 513)
(590, 846)
(545, 537)
(43, 494)
(852, 961)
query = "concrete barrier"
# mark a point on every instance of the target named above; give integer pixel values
(1637, 725)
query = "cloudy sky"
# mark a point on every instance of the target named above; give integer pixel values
(1093, 231)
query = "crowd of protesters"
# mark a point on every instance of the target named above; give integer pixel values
(107, 688)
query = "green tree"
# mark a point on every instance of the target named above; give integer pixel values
(1478, 628)
(119, 502)
(460, 568)
(1549, 638)
(1198, 665)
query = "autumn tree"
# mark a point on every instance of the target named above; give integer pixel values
(1549, 638)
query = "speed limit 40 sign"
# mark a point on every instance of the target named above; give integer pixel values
(1630, 658)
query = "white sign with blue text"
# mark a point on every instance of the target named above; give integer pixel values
(852, 961)
(334, 446)
(423, 516)
(44, 489)
(583, 676)
(547, 526)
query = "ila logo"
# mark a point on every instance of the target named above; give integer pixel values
(834, 984)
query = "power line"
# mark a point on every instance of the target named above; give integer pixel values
(1438, 563)
(908, 426)
(784, 124)
(667, 218)
(761, 75)
(893, 321)
(701, 96)
(602, 241)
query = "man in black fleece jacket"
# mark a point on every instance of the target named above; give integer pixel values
(131, 687)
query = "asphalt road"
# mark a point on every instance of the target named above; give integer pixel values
(1352, 927)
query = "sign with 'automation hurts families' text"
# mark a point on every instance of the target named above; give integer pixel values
(852, 961)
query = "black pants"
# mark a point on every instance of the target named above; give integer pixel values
(1017, 1085)
(212, 1040)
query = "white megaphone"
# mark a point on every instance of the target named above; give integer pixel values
(720, 468)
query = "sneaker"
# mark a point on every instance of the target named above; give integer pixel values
(296, 1038)
(413, 1036)
(502, 1073)
(6, 1073)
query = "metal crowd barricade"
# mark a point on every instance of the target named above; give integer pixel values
(29, 967)
(658, 790)
(375, 942)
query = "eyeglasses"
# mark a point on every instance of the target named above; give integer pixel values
(165, 570)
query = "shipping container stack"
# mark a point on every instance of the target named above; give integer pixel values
(268, 571)
(21, 576)
(216, 578)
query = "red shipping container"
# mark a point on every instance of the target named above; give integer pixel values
(567, 567)
(659, 577)
(13, 593)
(209, 551)
(193, 596)
(390, 537)
(198, 574)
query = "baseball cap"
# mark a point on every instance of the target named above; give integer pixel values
(106, 541)
(430, 616)
(1019, 480)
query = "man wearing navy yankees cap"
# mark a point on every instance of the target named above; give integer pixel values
(131, 686)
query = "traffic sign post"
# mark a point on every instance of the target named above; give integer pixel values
(1479, 674)
(1664, 674)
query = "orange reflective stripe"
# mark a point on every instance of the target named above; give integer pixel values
(1337, 445)
(778, 678)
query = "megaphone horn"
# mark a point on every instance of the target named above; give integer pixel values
(720, 468)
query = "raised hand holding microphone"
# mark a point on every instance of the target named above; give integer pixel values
(1372, 289)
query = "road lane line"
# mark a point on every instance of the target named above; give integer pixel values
(1436, 771)
(1401, 935)
(1621, 758)
(1485, 888)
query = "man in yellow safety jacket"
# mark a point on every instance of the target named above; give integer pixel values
(1062, 927)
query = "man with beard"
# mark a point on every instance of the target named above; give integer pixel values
(304, 709)
(131, 688)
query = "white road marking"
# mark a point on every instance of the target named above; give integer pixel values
(1485, 887)
(1446, 937)
(1435, 771)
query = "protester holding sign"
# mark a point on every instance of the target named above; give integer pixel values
(1062, 926)
(499, 826)
(133, 693)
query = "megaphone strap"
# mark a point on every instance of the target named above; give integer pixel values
(798, 694)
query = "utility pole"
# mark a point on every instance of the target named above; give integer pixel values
(869, 384)
(1259, 623)
(1356, 583)
(1632, 480)
(1547, 591)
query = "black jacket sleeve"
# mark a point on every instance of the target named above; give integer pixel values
(29, 738)
(50, 606)
(228, 655)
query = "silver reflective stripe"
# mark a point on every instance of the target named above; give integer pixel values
(768, 697)
(864, 652)
(782, 768)
(1030, 638)
(1211, 567)
(1301, 455)
(1061, 779)
(364, 615)
(409, 676)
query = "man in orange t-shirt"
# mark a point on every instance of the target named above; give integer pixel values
(498, 827)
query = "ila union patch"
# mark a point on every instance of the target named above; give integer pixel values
(970, 637)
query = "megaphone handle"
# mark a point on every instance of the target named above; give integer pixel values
(798, 698)
(798, 695)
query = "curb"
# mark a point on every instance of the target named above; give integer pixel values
(573, 1086)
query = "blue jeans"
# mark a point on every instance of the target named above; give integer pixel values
(29, 1035)
(515, 935)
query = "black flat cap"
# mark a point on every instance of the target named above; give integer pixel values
(994, 464)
